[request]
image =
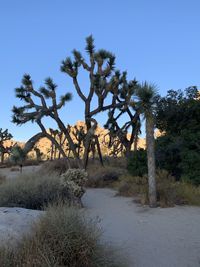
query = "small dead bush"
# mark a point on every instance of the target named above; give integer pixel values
(63, 237)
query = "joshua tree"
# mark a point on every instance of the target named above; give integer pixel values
(32, 141)
(104, 83)
(41, 103)
(61, 140)
(18, 156)
(4, 136)
(38, 153)
(120, 132)
(146, 96)
(79, 135)
(54, 134)
(113, 144)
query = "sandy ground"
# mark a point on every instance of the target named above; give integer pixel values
(147, 237)
(16, 222)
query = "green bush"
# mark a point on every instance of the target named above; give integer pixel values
(63, 237)
(32, 191)
(137, 163)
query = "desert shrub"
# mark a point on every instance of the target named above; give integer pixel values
(137, 163)
(63, 237)
(103, 176)
(187, 194)
(58, 166)
(134, 186)
(120, 162)
(73, 181)
(166, 191)
(169, 192)
(32, 191)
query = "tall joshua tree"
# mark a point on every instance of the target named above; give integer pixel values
(4, 136)
(39, 104)
(104, 81)
(146, 96)
(116, 130)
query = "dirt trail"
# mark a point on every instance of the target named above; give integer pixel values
(147, 237)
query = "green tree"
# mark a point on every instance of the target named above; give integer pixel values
(4, 136)
(146, 96)
(18, 156)
(178, 150)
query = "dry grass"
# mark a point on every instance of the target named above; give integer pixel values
(103, 176)
(58, 166)
(188, 194)
(31, 191)
(169, 192)
(63, 237)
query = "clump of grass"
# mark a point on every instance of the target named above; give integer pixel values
(31, 191)
(133, 186)
(120, 162)
(188, 194)
(58, 166)
(103, 176)
(63, 237)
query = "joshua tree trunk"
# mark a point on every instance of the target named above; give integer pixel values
(2, 157)
(151, 159)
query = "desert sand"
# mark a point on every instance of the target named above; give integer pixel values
(147, 237)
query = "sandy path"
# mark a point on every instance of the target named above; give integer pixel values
(148, 237)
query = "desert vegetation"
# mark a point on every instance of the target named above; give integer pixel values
(62, 237)
(165, 172)
(128, 103)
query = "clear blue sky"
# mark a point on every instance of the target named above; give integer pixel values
(157, 41)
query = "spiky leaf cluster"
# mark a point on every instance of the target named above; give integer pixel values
(37, 103)
(4, 135)
(104, 79)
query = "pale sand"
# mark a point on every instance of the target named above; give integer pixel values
(147, 237)
(15, 223)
